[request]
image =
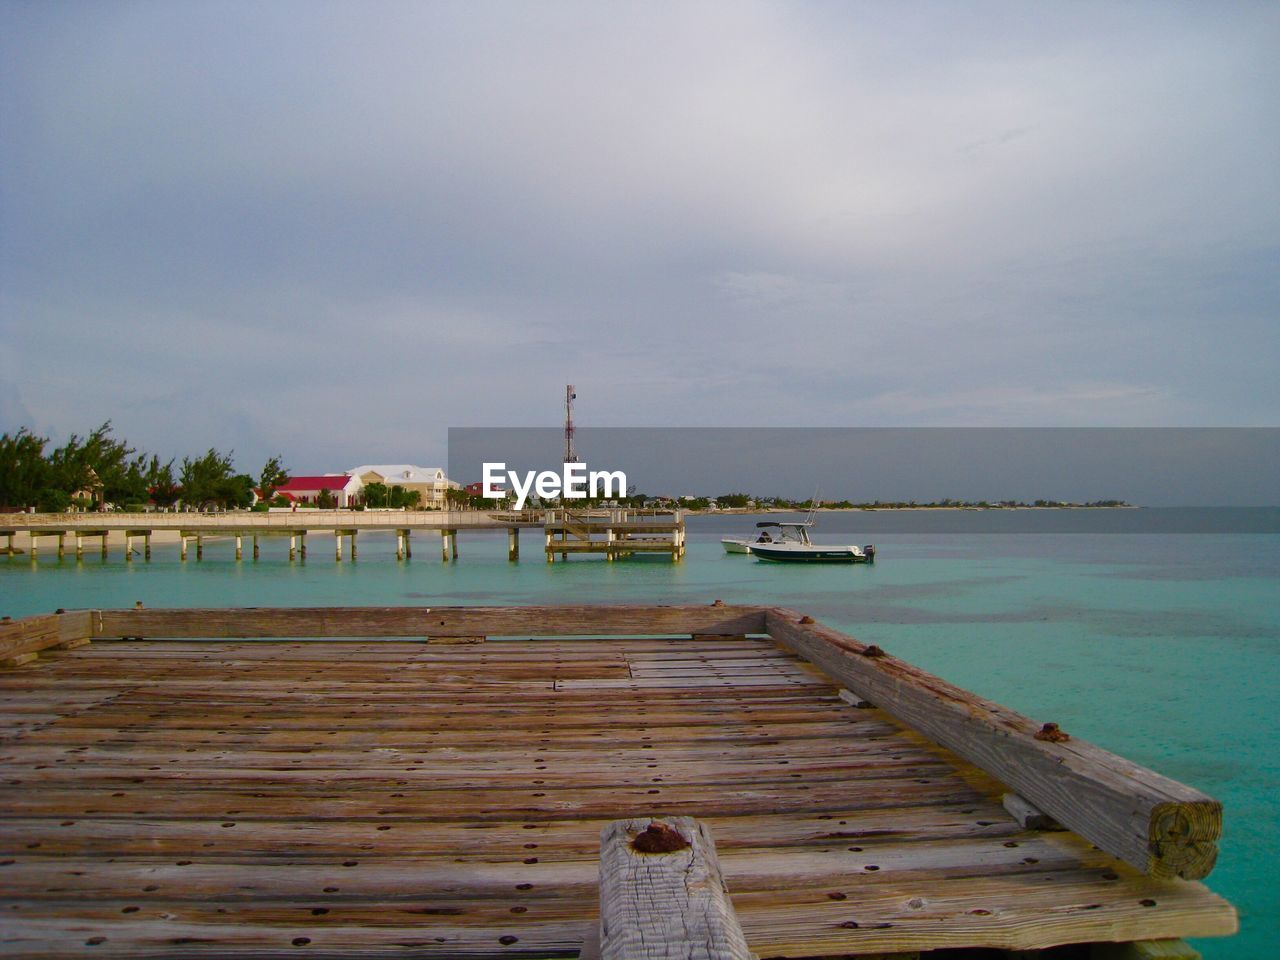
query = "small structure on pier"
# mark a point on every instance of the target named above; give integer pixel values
(615, 533)
(709, 781)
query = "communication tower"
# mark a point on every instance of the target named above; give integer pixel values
(570, 455)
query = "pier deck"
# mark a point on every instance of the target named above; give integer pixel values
(377, 797)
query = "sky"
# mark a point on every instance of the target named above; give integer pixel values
(335, 230)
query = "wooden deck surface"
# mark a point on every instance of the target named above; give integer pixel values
(385, 798)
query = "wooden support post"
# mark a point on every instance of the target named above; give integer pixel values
(453, 543)
(353, 546)
(146, 546)
(337, 545)
(182, 551)
(199, 546)
(513, 543)
(239, 547)
(1162, 827)
(255, 546)
(104, 544)
(408, 546)
(662, 895)
(62, 545)
(399, 544)
(32, 542)
(1029, 816)
(444, 546)
(293, 547)
(79, 546)
(302, 544)
(551, 557)
(128, 547)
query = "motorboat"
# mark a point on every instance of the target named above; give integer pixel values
(790, 543)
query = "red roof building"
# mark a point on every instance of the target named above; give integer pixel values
(343, 487)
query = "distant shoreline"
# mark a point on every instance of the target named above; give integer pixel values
(918, 509)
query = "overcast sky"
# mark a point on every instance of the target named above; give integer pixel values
(334, 230)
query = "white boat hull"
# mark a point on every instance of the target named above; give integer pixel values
(735, 545)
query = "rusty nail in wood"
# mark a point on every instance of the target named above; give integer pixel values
(659, 838)
(872, 651)
(1052, 734)
(806, 619)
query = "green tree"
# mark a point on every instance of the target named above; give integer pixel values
(208, 480)
(24, 471)
(409, 499)
(376, 494)
(272, 476)
(326, 500)
(162, 486)
(732, 499)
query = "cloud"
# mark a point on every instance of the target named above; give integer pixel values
(720, 212)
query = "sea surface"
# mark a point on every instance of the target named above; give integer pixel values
(1153, 633)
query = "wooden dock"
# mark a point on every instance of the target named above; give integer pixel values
(615, 533)
(418, 782)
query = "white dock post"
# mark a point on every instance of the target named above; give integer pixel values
(79, 546)
(513, 543)
(444, 546)
(239, 547)
(128, 546)
(293, 547)
(182, 553)
(399, 544)
(62, 544)
(337, 548)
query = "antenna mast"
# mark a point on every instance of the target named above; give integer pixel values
(570, 455)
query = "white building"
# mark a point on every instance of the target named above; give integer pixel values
(430, 482)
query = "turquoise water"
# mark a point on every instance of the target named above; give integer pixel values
(1161, 646)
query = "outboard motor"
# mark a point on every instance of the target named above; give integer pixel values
(870, 551)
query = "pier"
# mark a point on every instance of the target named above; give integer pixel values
(613, 533)
(713, 781)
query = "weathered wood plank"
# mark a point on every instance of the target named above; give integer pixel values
(1160, 826)
(662, 895)
(595, 621)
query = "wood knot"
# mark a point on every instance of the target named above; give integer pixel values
(806, 619)
(659, 838)
(1052, 734)
(872, 651)
(717, 603)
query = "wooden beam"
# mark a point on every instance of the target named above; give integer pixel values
(1156, 824)
(1028, 815)
(30, 635)
(662, 895)
(594, 621)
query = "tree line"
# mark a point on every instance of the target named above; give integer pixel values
(98, 469)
